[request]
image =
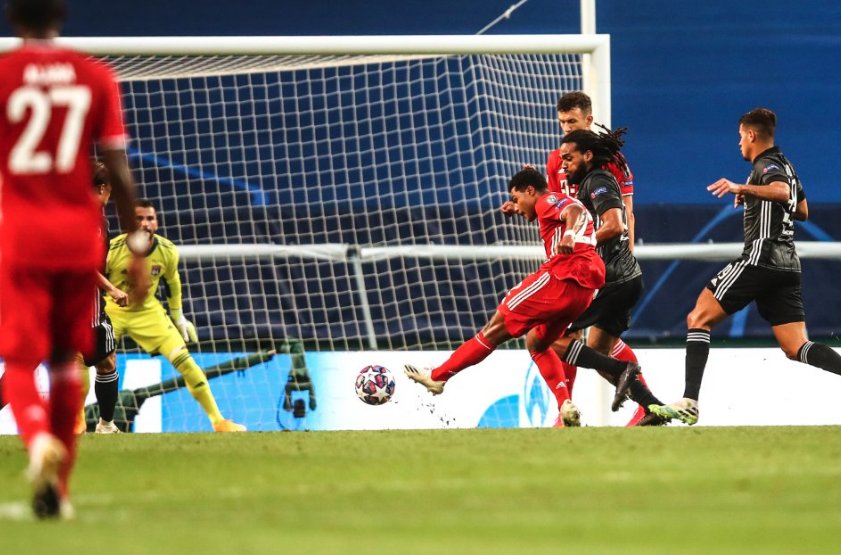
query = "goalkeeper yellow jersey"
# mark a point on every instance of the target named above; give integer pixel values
(162, 262)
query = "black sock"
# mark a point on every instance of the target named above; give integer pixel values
(641, 395)
(697, 352)
(820, 355)
(105, 388)
(579, 354)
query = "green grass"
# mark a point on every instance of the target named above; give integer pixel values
(583, 491)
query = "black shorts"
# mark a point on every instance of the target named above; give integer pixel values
(611, 308)
(776, 292)
(106, 343)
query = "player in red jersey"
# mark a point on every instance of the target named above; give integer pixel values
(547, 301)
(575, 111)
(55, 105)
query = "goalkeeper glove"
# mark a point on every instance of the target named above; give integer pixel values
(185, 327)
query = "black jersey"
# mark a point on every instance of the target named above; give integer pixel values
(599, 192)
(769, 225)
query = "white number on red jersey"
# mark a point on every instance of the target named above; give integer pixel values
(25, 157)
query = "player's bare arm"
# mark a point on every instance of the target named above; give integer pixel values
(801, 212)
(575, 217)
(777, 191)
(628, 200)
(611, 227)
(117, 295)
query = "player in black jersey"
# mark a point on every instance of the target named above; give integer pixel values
(104, 355)
(586, 157)
(768, 272)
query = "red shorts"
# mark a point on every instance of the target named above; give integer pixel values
(42, 311)
(545, 302)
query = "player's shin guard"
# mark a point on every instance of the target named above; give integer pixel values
(106, 391)
(552, 370)
(65, 404)
(821, 356)
(28, 408)
(697, 352)
(471, 352)
(197, 384)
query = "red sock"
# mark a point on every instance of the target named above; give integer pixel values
(471, 352)
(552, 370)
(570, 372)
(28, 408)
(623, 352)
(66, 402)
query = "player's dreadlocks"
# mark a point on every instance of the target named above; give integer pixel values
(605, 145)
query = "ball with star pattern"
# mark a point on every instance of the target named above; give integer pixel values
(374, 385)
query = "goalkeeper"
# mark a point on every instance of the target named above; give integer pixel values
(147, 323)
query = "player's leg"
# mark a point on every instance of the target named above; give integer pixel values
(155, 332)
(85, 387)
(71, 334)
(783, 308)
(725, 294)
(570, 371)
(470, 353)
(106, 383)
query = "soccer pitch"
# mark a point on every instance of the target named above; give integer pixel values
(585, 491)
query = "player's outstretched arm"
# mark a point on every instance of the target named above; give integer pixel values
(176, 312)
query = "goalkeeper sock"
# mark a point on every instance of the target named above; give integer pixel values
(552, 370)
(471, 352)
(697, 353)
(197, 384)
(821, 356)
(65, 403)
(106, 389)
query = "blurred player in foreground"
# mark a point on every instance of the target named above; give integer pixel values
(56, 104)
(768, 272)
(147, 323)
(544, 304)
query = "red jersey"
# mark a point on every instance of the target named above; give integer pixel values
(557, 179)
(54, 105)
(584, 265)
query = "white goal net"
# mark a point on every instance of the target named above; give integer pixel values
(282, 169)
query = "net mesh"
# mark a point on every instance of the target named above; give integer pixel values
(302, 152)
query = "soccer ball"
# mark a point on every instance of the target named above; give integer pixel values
(374, 385)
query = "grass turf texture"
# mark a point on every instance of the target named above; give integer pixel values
(584, 491)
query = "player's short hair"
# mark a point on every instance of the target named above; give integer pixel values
(525, 177)
(575, 99)
(144, 203)
(761, 120)
(100, 174)
(38, 15)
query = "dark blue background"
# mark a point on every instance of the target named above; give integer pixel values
(683, 72)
